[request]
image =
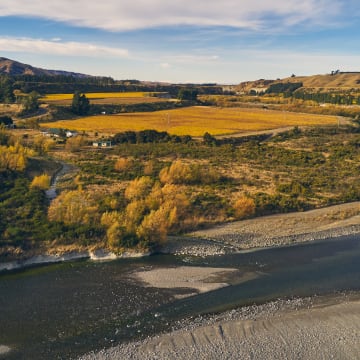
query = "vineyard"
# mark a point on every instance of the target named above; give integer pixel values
(195, 121)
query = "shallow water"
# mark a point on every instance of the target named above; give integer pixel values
(60, 311)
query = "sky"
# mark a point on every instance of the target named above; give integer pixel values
(201, 41)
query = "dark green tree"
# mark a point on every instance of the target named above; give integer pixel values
(6, 120)
(208, 139)
(187, 94)
(30, 103)
(80, 104)
(6, 90)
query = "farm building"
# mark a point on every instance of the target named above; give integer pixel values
(102, 144)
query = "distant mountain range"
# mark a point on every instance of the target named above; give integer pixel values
(334, 80)
(12, 67)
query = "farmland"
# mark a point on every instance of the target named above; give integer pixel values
(195, 121)
(104, 98)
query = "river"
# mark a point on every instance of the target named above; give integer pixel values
(63, 310)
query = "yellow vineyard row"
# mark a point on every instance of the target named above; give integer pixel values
(58, 97)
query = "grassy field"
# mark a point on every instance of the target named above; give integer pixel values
(195, 121)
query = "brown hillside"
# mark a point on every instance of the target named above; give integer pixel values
(12, 68)
(338, 81)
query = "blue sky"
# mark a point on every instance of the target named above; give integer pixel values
(226, 41)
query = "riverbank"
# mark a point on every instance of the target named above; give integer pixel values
(310, 328)
(270, 231)
(64, 254)
(267, 231)
(305, 328)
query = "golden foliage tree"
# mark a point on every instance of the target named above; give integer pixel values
(114, 235)
(41, 182)
(180, 172)
(138, 188)
(43, 144)
(14, 157)
(152, 211)
(74, 144)
(177, 173)
(155, 225)
(73, 207)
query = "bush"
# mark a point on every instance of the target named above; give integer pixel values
(181, 173)
(244, 207)
(123, 164)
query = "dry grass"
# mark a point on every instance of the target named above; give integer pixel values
(9, 109)
(195, 121)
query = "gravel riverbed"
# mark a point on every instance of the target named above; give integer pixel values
(305, 328)
(309, 328)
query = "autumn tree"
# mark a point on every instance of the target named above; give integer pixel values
(43, 144)
(41, 182)
(73, 207)
(138, 188)
(74, 144)
(180, 172)
(153, 210)
(14, 157)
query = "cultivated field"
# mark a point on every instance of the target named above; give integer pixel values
(195, 121)
(104, 98)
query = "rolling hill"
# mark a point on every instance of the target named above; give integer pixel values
(13, 68)
(336, 81)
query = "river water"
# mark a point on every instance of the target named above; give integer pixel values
(61, 311)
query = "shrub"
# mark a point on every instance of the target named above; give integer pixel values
(181, 173)
(244, 207)
(74, 144)
(123, 164)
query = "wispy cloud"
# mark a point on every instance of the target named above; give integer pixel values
(192, 59)
(56, 47)
(114, 15)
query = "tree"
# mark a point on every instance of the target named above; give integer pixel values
(80, 104)
(208, 139)
(41, 182)
(6, 120)
(74, 207)
(6, 91)
(187, 94)
(30, 103)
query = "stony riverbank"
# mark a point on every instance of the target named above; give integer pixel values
(310, 328)
(270, 231)
(267, 231)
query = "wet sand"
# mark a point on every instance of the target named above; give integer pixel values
(199, 279)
